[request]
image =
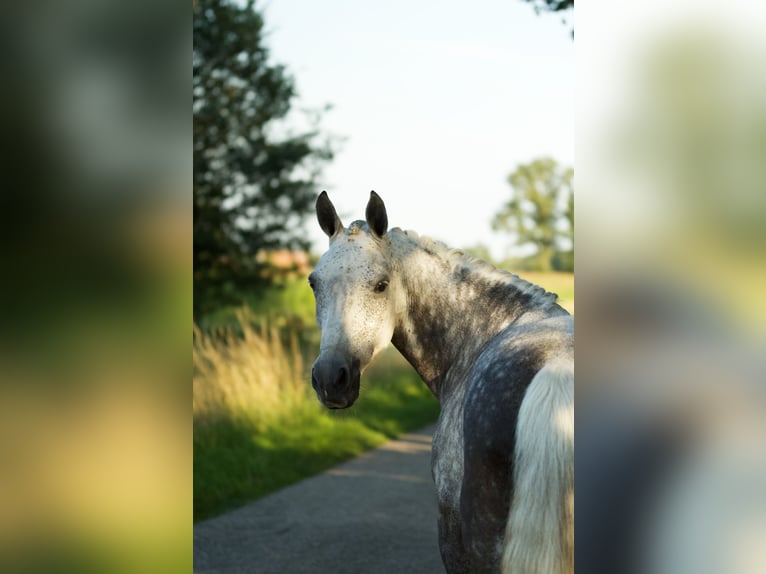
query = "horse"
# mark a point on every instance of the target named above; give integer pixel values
(497, 353)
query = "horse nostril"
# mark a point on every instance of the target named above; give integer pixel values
(314, 382)
(342, 379)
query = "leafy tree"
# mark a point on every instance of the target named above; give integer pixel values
(541, 211)
(553, 6)
(254, 182)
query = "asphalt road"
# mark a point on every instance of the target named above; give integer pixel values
(374, 514)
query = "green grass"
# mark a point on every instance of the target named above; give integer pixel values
(236, 460)
(258, 426)
(287, 303)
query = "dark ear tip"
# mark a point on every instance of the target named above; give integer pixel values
(327, 216)
(323, 201)
(376, 215)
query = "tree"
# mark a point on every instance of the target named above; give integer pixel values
(553, 6)
(254, 182)
(540, 212)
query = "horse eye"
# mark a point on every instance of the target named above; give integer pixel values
(380, 287)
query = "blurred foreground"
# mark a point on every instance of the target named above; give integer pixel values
(671, 395)
(95, 449)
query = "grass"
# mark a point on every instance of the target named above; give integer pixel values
(288, 303)
(258, 426)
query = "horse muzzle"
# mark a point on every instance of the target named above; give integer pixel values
(336, 380)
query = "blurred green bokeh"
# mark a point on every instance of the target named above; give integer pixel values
(671, 262)
(95, 449)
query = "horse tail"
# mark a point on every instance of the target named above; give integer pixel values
(539, 535)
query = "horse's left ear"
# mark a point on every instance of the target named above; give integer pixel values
(377, 220)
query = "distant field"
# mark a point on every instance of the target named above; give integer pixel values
(560, 283)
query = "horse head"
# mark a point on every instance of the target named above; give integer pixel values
(354, 304)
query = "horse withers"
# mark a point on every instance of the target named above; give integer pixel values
(495, 350)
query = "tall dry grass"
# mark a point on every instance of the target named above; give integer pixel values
(249, 371)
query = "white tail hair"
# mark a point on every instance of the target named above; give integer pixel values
(539, 536)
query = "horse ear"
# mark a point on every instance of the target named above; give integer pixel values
(327, 216)
(377, 220)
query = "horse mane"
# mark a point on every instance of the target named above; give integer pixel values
(460, 260)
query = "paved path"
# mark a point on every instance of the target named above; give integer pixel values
(374, 514)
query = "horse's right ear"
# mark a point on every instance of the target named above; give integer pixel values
(327, 216)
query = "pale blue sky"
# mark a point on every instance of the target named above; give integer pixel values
(437, 100)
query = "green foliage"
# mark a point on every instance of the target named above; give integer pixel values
(540, 211)
(563, 261)
(287, 305)
(254, 182)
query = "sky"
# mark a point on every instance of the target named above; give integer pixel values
(435, 102)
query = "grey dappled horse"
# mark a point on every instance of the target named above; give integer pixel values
(496, 351)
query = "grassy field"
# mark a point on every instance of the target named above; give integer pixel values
(560, 283)
(259, 427)
(257, 423)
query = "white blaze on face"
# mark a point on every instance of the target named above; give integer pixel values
(354, 300)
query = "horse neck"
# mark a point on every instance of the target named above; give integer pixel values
(453, 306)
